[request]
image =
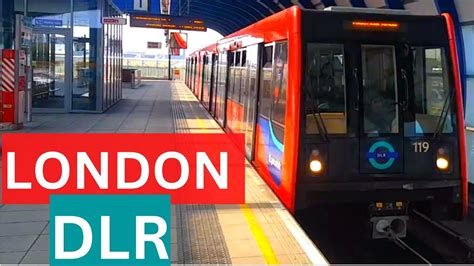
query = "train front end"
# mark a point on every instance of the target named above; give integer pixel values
(381, 116)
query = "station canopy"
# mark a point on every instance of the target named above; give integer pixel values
(227, 16)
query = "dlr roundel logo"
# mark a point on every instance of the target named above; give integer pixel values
(382, 155)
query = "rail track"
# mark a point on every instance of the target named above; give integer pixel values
(347, 239)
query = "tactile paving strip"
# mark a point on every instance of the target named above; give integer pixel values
(199, 233)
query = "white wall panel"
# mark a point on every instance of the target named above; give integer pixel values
(375, 3)
(465, 10)
(422, 7)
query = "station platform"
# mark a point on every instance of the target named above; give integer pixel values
(261, 231)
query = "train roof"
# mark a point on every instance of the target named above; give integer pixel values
(280, 25)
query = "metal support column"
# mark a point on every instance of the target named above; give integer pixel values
(169, 64)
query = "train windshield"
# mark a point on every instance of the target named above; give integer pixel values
(403, 89)
(380, 89)
(429, 87)
(325, 88)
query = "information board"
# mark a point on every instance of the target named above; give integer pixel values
(167, 22)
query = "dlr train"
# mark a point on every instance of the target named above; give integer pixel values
(345, 107)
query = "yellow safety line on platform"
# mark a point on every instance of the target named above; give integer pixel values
(258, 234)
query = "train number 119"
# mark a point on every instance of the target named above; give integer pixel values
(421, 146)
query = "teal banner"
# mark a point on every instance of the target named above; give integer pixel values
(110, 230)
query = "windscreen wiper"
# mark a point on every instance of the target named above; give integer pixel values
(444, 115)
(316, 113)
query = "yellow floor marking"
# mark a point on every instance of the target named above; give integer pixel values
(258, 234)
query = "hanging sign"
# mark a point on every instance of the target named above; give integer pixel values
(140, 5)
(167, 22)
(154, 45)
(114, 21)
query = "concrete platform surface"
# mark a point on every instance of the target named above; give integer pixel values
(261, 231)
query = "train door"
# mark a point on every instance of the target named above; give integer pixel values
(229, 120)
(206, 86)
(380, 131)
(193, 78)
(194, 81)
(222, 84)
(214, 86)
(186, 72)
(250, 95)
(200, 85)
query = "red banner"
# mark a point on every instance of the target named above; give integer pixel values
(179, 41)
(192, 168)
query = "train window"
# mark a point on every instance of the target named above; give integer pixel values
(325, 87)
(427, 76)
(231, 59)
(266, 81)
(230, 93)
(244, 58)
(216, 70)
(237, 73)
(244, 78)
(280, 78)
(222, 83)
(237, 59)
(380, 93)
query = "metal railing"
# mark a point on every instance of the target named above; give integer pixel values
(158, 72)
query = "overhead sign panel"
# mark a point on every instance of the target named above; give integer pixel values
(140, 5)
(48, 22)
(167, 22)
(114, 21)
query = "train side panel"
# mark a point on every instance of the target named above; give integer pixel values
(460, 112)
(277, 131)
(277, 122)
(235, 116)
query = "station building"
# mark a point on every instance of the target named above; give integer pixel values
(76, 60)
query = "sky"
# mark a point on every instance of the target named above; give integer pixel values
(136, 39)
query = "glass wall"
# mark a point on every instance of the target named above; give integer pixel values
(7, 25)
(86, 71)
(468, 36)
(112, 68)
(68, 34)
(51, 64)
(50, 70)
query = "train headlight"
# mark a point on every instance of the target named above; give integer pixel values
(442, 163)
(315, 166)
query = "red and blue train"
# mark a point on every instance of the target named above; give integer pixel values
(345, 107)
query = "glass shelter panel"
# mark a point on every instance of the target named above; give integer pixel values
(49, 70)
(86, 31)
